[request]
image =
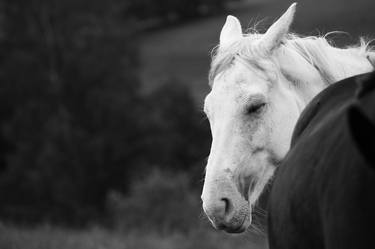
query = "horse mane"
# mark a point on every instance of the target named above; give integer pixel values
(314, 49)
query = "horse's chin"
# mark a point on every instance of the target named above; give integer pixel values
(235, 230)
(239, 227)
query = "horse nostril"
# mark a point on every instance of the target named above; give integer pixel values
(228, 206)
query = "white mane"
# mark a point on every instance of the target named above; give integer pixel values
(316, 50)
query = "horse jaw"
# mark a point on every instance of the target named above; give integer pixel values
(277, 32)
(231, 32)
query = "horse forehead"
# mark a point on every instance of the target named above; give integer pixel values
(234, 86)
(226, 94)
(240, 77)
(239, 89)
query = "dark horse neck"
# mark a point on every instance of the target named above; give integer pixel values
(323, 195)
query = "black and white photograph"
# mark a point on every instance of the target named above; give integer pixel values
(187, 124)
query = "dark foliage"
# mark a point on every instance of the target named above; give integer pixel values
(73, 122)
(159, 202)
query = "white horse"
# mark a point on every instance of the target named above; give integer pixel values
(260, 85)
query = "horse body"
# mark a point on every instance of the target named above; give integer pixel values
(260, 85)
(323, 195)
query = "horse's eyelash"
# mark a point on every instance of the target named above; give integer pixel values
(255, 107)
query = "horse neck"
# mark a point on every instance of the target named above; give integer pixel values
(350, 62)
(335, 64)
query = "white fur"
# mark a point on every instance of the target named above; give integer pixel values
(277, 32)
(232, 31)
(286, 74)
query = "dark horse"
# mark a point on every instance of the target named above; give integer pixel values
(323, 195)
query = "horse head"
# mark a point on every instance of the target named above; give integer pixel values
(252, 113)
(259, 85)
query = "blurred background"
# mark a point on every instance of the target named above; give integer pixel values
(102, 139)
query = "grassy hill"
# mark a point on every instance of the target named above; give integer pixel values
(182, 53)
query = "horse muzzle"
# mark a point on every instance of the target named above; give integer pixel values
(226, 208)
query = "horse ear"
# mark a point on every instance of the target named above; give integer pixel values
(362, 130)
(277, 32)
(231, 31)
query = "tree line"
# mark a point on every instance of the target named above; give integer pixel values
(74, 124)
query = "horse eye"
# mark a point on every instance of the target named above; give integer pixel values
(255, 108)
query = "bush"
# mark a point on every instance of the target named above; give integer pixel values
(160, 202)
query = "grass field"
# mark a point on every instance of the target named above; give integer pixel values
(46, 237)
(182, 53)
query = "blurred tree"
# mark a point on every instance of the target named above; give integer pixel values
(68, 87)
(160, 202)
(179, 134)
(73, 124)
